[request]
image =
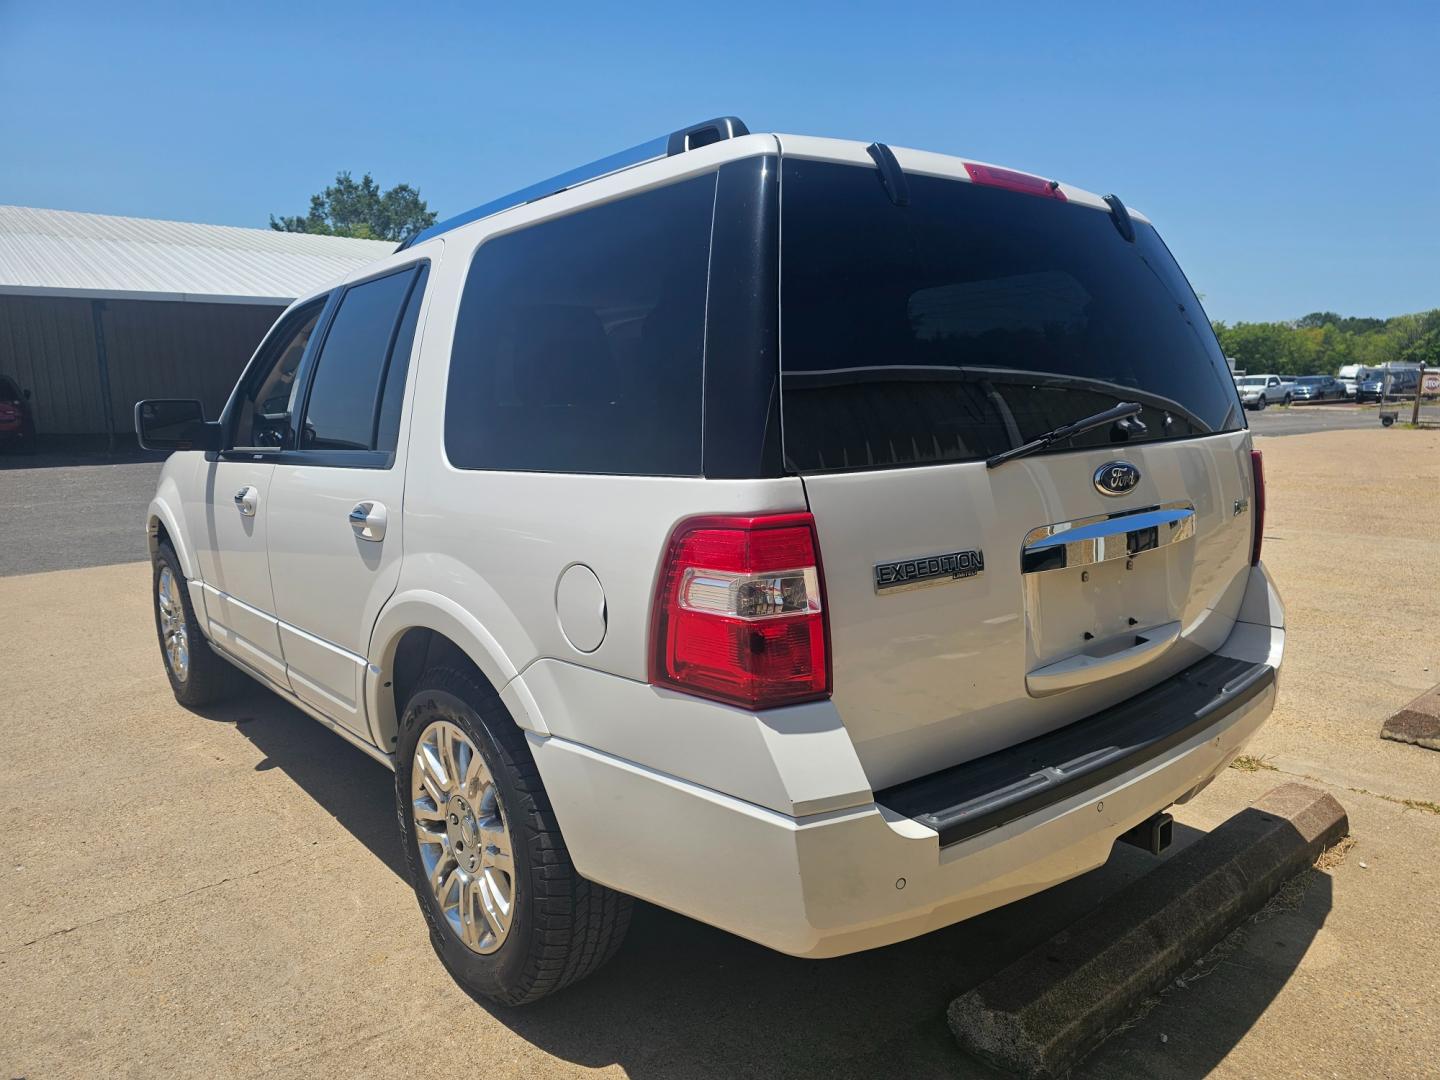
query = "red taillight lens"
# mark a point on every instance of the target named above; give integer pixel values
(740, 612)
(1011, 180)
(1258, 468)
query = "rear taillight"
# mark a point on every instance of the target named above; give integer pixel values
(1011, 180)
(740, 612)
(1257, 467)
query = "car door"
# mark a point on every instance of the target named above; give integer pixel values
(335, 528)
(228, 510)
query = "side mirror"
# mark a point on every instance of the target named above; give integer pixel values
(175, 424)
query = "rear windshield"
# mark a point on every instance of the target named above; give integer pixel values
(973, 320)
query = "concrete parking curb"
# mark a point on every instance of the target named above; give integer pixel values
(1418, 722)
(1043, 1013)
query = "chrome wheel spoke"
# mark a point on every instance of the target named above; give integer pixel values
(477, 776)
(430, 774)
(444, 878)
(496, 901)
(449, 758)
(473, 925)
(496, 851)
(432, 837)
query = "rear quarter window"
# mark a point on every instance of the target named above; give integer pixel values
(579, 342)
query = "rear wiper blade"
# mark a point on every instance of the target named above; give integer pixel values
(1116, 412)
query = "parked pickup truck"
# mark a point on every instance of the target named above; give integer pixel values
(1258, 391)
(827, 541)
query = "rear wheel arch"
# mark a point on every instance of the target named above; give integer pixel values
(404, 648)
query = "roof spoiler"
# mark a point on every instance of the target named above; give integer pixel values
(1121, 217)
(676, 142)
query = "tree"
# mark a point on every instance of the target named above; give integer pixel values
(1323, 342)
(348, 208)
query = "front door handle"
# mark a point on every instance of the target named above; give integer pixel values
(246, 500)
(368, 520)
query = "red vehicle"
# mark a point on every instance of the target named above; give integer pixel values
(17, 423)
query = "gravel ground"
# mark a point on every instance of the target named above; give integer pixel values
(220, 894)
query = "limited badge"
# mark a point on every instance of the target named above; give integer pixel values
(916, 573)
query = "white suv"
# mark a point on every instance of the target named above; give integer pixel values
(825, 541)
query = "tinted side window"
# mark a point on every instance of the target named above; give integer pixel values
(341, 411)
(265, 408)
(387, 423)
(579, 343)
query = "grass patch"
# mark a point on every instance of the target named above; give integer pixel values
(1335, 854)
(1409, 804)
(1250, 763)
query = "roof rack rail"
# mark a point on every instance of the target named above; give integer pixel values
(677, 142)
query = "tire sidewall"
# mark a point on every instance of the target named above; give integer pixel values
(495, 974)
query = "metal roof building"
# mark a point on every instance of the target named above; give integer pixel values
(97, 311)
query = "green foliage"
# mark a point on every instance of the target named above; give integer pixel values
(362, 210)
(1322, 342)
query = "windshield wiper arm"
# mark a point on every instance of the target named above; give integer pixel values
(1079, 427)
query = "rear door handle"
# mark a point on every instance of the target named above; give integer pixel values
(368, 520)
(246, 500)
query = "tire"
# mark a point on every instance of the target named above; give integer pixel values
(203, 678)
(1260, 405)
(561, 927)
(1288, 401)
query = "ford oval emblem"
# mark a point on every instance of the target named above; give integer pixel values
(1116, 478)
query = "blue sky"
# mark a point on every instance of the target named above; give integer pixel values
(1289, 155)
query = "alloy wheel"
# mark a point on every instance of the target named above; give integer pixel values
(462, 836)
(173, 635)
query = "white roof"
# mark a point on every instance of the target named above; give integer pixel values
(64, 253)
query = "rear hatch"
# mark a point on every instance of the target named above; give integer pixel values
(973, 607)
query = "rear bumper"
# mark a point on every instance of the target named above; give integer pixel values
(841, 881)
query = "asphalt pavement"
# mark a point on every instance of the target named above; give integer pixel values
(60, 512)
(1304, 419)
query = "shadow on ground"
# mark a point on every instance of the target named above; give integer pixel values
(685, 1000)
(1202, 1020)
